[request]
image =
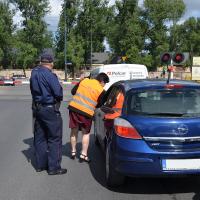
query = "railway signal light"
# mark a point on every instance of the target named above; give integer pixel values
(173, 58)
(179, 58)
(166, 58)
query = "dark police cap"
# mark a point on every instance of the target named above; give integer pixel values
(46, 58)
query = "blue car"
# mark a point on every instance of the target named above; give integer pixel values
(157, 133)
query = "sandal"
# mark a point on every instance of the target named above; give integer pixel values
(73, 155)
(84, 158)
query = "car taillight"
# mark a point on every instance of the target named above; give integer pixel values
(124, 129)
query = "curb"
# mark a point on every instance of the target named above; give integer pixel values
(67, 82)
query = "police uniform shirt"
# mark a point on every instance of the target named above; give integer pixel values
(45, 86)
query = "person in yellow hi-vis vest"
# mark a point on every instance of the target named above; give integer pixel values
(86, 96)
(117, 108)
(115, 103)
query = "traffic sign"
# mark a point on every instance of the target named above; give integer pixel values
(124, 58)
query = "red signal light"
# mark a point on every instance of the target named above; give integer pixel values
(178, 58)
(166, 58)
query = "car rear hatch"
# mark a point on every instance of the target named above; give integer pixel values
(168, 119)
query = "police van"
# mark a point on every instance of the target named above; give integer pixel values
(117, 72)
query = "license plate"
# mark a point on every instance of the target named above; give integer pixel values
(181, 164)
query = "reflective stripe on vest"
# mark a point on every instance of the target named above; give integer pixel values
(85, 98)
(87, 95)
(117, 108)
(83, 104)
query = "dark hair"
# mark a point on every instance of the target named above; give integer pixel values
(102, 77)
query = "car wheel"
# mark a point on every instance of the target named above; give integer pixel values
(112, 177)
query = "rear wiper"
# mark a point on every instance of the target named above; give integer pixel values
(167, 114)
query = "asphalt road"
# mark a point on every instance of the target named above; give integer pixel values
(19, 181)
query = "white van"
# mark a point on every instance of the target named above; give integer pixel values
(117, 72)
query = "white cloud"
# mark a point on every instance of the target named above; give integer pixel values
(192, 8)
(111, 2)
(56, 7)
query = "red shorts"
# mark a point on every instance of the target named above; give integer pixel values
(77, 120)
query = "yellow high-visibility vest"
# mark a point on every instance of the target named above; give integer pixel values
(87, 95)
(117, 108)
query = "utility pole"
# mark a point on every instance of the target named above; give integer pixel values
(91, 47)
(65, 48)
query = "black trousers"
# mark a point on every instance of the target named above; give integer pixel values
(48, 137)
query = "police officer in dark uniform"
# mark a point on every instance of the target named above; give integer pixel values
(47, 94)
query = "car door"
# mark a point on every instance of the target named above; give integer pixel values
(99, 127)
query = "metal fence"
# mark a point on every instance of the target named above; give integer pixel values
(176, 75)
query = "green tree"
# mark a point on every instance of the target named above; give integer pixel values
(124, 33)
(177, 9)
(25, 55)
(157, 14)
(189, 37)
(91, 24)
(67, 20)
(6, 29)
(86, 25)
(34, 30)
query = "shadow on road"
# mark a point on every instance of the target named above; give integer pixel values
(29, 152)
(149, 185)
(97, 166)
(97, 157)
(66, 149)
(169, 186)
(196, 196)
(160, 186)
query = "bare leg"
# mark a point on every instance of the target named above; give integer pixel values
(73, 139)
(85, 142)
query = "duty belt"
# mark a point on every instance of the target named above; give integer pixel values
(38, 106)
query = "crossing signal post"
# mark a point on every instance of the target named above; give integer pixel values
(165, 60)
(170, 59)
(170, 73)
(174, 58)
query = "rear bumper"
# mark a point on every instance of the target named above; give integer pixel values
(136, 158)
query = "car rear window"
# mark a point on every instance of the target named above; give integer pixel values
(176, 102)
